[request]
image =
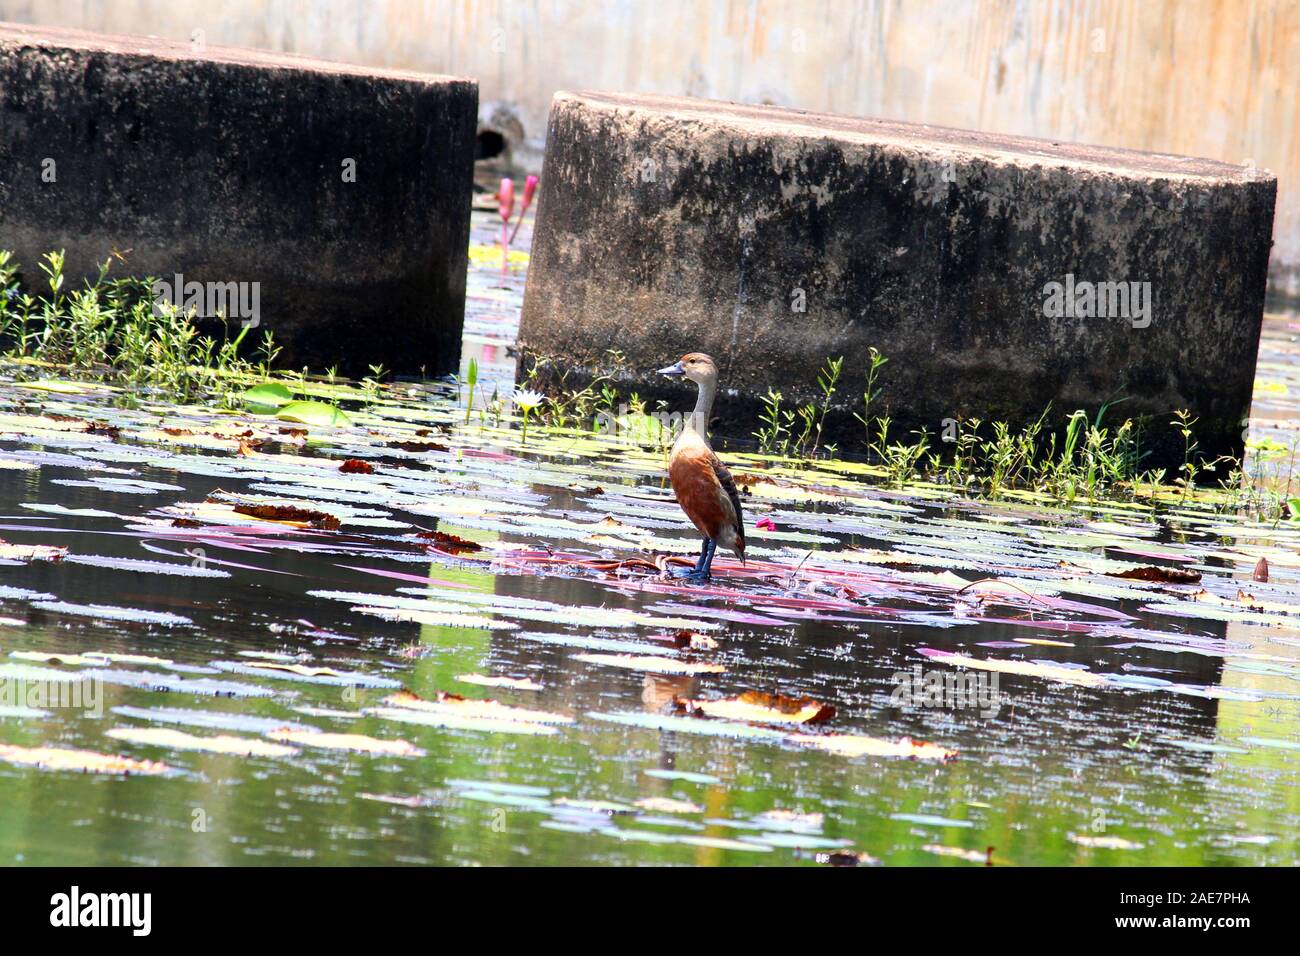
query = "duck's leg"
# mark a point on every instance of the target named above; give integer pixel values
(701, 570)
(699, 565)
(707, 558)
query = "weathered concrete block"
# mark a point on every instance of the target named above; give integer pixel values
(343, 192)
(774, 239)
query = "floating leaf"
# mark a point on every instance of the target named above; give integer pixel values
(761, 708)
(855, 745)
(650, 664)
(1159, 574)
(466, 707)
(146, 567)
(30, 552)
(450, 543)
(314, 413)
(80, 761)
(356, 742)
(956, 852)
(452, 720)
(512, 683)
(667, 805)
(1066, 675)
(105, 612)
(306, 672)
(179, 740)
(208, 719)
(274, 394)
(1103, 842)
(289, 514)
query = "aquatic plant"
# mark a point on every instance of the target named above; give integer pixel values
(114, 331)
(873, 371)
(471, 379)
(527, 401)
(773, 433)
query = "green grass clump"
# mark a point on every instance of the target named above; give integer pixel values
(110, 331)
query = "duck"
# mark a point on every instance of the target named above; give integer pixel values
(701, 482)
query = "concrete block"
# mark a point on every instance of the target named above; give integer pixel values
(998, 274)
(343, 192)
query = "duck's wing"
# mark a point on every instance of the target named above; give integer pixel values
(729, 486)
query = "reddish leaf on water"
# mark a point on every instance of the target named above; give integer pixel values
(689, 640)
(846, 858)
(291, 514)
(759, 707)
(355, 466)
(417, 446)
(450, 543)
(1261, 571)
(1159, 575)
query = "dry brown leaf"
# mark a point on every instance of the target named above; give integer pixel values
(1158, 575)
(667, 805)
(696, 642)
(757, 707)
(452, 544)
(468, 707)
(83, 761)
(290, 514)
(856, 745)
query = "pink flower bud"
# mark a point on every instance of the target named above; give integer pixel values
(530, 187)
(506, 198)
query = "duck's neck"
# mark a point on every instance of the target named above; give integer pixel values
(699, 420)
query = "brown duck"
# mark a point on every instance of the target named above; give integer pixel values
(701, 482)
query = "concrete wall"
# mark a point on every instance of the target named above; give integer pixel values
(1212, 78)
(329, 203)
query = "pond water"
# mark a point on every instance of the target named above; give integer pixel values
(285, 693)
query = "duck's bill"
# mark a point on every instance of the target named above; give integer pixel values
(674, 369)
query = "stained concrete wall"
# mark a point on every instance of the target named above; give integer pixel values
(332, 201)
(1212, 78)
(773, 239)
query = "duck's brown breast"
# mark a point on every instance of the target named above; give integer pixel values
(698, 490)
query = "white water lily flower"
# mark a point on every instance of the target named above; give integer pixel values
(528, 399)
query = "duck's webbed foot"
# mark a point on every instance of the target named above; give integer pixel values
(694, 574)
(701, 570)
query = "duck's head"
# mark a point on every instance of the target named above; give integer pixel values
(696, 366)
